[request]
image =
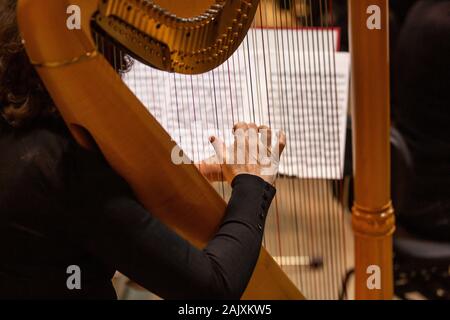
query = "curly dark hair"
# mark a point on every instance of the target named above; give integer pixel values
(24, 99)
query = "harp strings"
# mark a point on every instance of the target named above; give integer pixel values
(294, 185)
(339, 248)
(312, 196)
(288, 83)
(321, 136)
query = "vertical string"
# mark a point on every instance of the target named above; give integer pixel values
(311, 149)
(300, 208)
(340, 210)
(297, 151)
(324, 124)
(290, 105)
(332, 222)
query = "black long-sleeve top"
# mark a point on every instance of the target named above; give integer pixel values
(61, 205)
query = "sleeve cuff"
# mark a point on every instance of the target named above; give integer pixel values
(254, 181)
(250, 200)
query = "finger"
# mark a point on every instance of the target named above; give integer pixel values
(253, 144)
(266, 137)
(219, 147)
(252, 126)
(240, 126)
(281, 142)
(240, 147)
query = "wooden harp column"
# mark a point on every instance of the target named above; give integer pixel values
(373, 216)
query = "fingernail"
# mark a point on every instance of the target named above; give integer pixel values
(212, 139)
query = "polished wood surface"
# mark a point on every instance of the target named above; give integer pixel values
(98, 107)
(373, 217)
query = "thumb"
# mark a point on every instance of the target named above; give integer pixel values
(281, 144)
(219, 147)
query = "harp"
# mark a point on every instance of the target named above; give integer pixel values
(194, 37)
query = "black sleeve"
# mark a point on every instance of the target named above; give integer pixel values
(114, 227)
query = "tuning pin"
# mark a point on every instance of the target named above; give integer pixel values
(246, 4)
(156, 9)
(212, 11)
(217, 6)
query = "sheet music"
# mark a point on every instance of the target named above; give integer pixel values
(266, 81)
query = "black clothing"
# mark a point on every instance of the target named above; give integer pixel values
(422, 115)
(61, 205)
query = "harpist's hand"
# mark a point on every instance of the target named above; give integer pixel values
(251, 153)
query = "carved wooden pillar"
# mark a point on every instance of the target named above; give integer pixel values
(373, 215)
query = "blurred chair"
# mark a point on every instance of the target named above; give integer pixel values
(420, 265)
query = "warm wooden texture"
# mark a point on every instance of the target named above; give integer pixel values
(91, 96)
(373, 219)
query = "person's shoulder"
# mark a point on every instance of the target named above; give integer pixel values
(43, 145)
(37, 153)
(51, 156)
(50, 139)
(31, 165)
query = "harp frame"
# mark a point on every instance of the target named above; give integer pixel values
(66, 71)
